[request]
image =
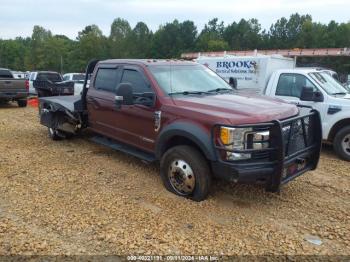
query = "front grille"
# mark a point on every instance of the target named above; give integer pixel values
(297, 135)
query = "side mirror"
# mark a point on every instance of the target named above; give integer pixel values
(233, 82)
(124, 95)
(308, 94)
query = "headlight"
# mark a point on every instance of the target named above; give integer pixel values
(243, 139)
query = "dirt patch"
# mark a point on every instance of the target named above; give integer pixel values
(76, 197)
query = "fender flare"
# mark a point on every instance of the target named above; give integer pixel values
(190, 131)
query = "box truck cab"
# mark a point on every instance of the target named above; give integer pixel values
(318, 89)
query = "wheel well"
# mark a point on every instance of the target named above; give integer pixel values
(339, 125)
(180, 140)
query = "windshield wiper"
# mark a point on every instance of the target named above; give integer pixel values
(217, 90)
(339, 93)
(188, 93)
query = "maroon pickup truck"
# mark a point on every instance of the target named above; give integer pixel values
(190, 120)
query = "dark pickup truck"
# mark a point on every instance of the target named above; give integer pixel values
(49, 83)
(190, 120)
(12, 89)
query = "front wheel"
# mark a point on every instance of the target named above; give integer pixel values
(186, 173)
(341, 143)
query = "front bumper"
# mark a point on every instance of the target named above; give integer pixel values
(291, 153)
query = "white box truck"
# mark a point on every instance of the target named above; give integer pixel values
(251, 72)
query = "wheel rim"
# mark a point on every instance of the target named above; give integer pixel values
(181, 177)
(346, 144)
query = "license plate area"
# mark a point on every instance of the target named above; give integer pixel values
(293, 168)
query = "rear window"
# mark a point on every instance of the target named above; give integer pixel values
(5, 74)
(80, 77)
(53, 77)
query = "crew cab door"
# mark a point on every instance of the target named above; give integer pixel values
(137, 122)
(131, 124)
(100, 100)
(289, 87)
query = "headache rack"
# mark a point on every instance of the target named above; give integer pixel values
(291, 140)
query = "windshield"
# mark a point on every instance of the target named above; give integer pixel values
(187, 78)
(328, 83)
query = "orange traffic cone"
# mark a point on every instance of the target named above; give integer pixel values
(34, 102)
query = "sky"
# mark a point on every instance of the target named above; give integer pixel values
(68, 17)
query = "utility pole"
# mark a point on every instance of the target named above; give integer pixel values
(61, 65)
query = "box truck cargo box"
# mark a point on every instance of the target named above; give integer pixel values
(251, 72)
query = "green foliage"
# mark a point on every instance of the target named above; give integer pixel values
(243, 35)
(45, 51)
(173, 38)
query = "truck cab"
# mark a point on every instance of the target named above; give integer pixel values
(318, 89)
(185, 117)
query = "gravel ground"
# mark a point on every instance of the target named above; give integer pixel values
(76, 197)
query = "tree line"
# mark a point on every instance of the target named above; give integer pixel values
(45, 51)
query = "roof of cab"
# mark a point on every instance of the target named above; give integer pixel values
(147, 62)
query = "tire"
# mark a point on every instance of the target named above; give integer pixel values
(186, 164)
(54, 134)
(22, 102)
(341, 143)
(4, 102)
(44, 93)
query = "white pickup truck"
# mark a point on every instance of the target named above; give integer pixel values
(318, 89)
(78, 79)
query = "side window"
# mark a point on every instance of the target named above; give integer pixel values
(107, 79)
(66, 78)
(138, 82)
(292, 85)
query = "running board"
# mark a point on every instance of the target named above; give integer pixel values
(123, 148)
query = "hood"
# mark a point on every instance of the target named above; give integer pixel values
(339, 99)
(236, 109)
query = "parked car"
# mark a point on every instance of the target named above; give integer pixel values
(319, 89)
(187, 118)
(277, 76)
(12, 89)
(78, 79)
(48, 83)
